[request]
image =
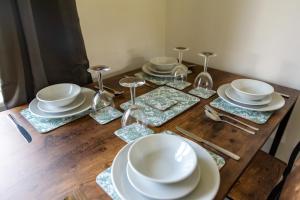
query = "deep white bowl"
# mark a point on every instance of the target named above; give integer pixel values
(59, 94)
(162, 158)
(252, 89)
(163, 63)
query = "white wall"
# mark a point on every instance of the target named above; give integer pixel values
(257, 38)
(122, 34)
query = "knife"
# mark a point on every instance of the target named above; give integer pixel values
(199, 139)
(21, 129)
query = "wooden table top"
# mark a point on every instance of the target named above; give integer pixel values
(71, 156)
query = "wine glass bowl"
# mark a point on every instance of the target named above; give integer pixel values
(135, 113)
(101, 98)
(204, 79)
(179, 73)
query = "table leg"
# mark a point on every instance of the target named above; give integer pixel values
(280, 132)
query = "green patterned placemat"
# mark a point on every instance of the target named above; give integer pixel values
(106, 115)
(202, 92)
(254, 116)
(179, 85)
(132, 132)
(104, 178)
(156, 117)
(43, 125)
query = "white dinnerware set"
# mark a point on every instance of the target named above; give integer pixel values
(160, 67)
(251, 95)
(61, 100)
(163, 166)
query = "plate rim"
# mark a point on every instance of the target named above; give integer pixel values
(229, 90)
(198, 173)
(147, 71)
(67, 109)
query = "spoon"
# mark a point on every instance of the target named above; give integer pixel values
(218, 119)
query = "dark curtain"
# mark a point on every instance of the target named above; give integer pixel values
(40, 44)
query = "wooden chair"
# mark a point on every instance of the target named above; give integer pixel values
(263, 178)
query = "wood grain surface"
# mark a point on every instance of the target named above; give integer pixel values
(70, 157)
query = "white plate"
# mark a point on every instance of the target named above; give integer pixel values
(88, 93)
(51, 109)
(276, 103)
(235, 97)
(145, 69)
(206, 189)
(152, 69)
(171, 191)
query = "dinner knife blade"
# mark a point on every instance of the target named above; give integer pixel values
(21, 129)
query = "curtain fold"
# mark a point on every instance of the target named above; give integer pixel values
(40, 44)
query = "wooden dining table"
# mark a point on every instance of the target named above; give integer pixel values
(69, 158)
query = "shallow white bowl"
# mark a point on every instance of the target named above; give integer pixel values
(163, 63)
(252, 89)
(162, 158)
(59, 94)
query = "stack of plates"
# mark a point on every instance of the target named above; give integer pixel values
(251, 94)
(163, 166)
(61, 100)
(160, 67)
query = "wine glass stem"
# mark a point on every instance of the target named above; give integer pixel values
(180, 57)
(205, 63)
(132, 94)
(100, 82)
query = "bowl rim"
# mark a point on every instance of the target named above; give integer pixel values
(168, 64)
(165, 180)
(61, 99)
(249, 93)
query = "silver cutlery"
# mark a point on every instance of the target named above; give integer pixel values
(207, 107)
(216, 147)
(21, 129)
(284, 95)
(218, 119)
(146, 83)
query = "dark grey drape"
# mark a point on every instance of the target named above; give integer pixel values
(40, 44)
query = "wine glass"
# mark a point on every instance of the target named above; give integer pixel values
(204, 79)
(135, 112)
(180, 71)
(101, 98)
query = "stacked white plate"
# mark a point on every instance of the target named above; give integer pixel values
(251, 94)
(160, 66)
(162, 166)
(61, 100)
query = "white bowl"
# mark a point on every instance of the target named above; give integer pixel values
(162, 158)
(163, 63)
(59, 94)
(252, 89)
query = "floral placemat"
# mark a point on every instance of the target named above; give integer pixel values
(106, 115)
(104, 178)
(254, 116)
(132, 132)
(202, 92)
(157, 117)
(44, 125)
(179, 85)
(161, 104)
